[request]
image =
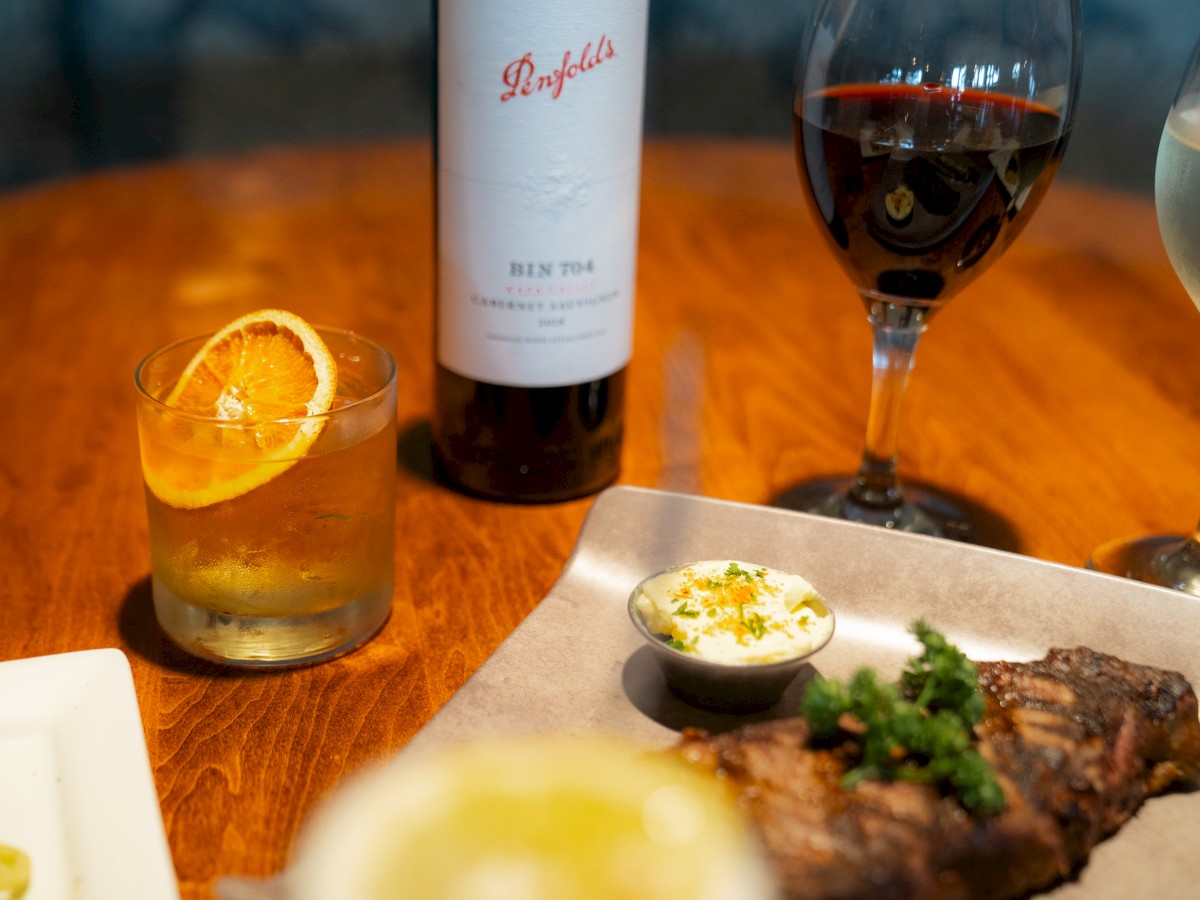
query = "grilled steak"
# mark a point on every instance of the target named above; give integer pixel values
(1077, 740)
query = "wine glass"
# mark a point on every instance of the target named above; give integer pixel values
(927, 133)
(1171, 560)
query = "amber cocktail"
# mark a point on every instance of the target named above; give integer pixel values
(271, 521)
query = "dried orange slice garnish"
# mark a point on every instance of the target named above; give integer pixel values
(245, 401)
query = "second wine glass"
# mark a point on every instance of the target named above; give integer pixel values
(1171, 560)
(927, 133)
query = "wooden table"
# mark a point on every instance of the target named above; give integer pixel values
(1057, 394)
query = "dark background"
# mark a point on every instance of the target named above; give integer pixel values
(88, 84)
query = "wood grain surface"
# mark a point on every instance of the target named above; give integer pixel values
(1056, 395)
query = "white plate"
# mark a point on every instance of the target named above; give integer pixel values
(577, 663)
(76, 790)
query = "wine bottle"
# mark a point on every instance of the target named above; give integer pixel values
(538, 136)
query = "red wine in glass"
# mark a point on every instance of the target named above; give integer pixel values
(927, 133)
(913, 209)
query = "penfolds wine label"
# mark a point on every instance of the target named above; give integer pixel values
(538, 161)
(522, 79)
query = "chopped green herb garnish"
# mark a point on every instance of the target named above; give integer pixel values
(681, 645)
(683, 610)
(920, 730)
(736, 571)
(753, 623)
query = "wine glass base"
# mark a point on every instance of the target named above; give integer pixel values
(921, 512)
(1165, 560)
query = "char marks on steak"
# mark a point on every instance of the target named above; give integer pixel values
(1078, 740)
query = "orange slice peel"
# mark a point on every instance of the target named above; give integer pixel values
(247, 407)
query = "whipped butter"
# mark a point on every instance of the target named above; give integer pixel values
(736, 613)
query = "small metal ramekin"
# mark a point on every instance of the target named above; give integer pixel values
(721, 687)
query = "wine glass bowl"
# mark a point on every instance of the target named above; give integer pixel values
(1171, 561)
(927, 134)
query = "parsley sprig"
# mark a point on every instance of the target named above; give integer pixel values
(919, 730)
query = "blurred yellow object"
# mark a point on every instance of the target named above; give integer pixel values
(568, 817)
(14, 873)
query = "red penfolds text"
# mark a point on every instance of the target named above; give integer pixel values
(521, 79)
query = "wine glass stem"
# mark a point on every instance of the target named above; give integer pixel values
(896, 328)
